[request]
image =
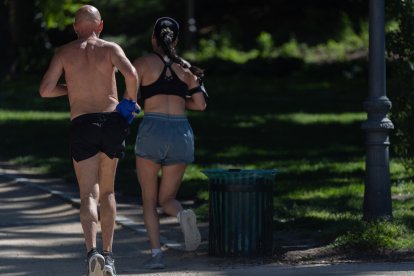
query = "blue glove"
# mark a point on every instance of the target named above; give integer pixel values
(127, 108)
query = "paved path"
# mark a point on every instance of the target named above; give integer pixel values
(40, 234)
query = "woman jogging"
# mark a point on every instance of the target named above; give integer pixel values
(168, 86)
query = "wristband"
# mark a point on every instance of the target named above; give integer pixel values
(127, 108)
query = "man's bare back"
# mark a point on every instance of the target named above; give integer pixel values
(90, 76)
(89, 66)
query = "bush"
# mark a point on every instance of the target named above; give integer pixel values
(371, 236)
(281, 66)
(275, 67)
(401, 54)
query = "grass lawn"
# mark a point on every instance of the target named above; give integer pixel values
(306, 125)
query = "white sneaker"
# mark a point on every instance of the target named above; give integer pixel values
(109, 269)
(96, 263)
(192, 237)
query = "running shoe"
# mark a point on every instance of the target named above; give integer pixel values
(95, 263)
(109, 269)
(154, 262)
(192, 237)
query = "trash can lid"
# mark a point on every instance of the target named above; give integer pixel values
(239, 173)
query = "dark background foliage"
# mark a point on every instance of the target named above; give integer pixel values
(401, 72)
(32, 28)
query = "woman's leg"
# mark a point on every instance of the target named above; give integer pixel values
(170, 183)
(172, 176)
(147, 172)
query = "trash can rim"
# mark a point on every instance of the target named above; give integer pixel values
(242, 174)
(235, 171)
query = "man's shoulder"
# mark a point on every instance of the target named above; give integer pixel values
(68, 47)
(64, 47)
(63, 50)
(68, 50)
(108, 44)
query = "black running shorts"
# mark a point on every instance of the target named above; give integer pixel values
(98, 132)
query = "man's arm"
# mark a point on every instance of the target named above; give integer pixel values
(48, 86)
(120, 61)
(140, 66)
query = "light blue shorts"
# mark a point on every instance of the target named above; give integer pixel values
(165, 139)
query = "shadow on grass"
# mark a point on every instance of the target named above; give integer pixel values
(217, 142)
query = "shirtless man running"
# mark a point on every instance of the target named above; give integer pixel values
(97, 130)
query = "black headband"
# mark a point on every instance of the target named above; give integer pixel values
(167, 22)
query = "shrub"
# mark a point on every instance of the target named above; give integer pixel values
(372, 236)
(401, 54)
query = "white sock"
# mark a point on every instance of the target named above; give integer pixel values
(179, 216)
(155, 251)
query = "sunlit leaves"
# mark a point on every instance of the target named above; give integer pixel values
(59, 14)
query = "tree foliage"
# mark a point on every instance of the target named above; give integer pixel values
(400, 43)
(46, 24)
(58, 14)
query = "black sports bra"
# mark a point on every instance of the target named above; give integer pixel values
(167, 85)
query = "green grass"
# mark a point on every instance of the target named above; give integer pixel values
(307, 125)
(25, 116)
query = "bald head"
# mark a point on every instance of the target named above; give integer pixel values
(87, 13)
(88, 21)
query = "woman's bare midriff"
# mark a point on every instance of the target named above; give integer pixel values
(166, 104)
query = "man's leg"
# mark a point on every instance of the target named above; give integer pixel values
(107, 173)
(87, 174)
(148, 179)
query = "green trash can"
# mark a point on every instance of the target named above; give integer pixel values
(240, 212)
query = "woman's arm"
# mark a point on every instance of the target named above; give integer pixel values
(197, 100)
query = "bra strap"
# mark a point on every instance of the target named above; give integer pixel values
(168, 64)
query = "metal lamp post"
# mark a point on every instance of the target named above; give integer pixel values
(377, 197)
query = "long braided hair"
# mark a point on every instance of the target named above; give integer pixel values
(166, 32)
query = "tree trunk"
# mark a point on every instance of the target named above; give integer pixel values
(21, 27)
